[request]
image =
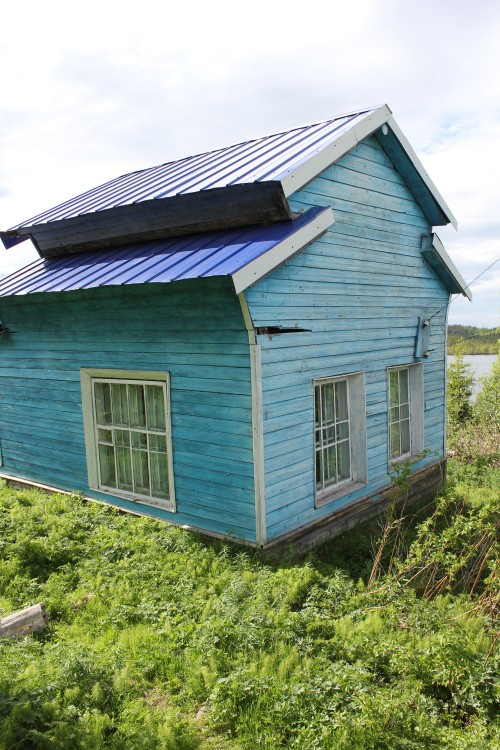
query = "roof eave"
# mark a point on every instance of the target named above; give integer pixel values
(204, 211)
(439, 260)
(424, 176)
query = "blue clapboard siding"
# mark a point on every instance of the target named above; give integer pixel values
(360, 290)
(194, 330)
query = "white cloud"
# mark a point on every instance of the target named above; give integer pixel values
(120, 87)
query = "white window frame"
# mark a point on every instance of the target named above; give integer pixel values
(416, 412)
(356, 404)
(88, 379)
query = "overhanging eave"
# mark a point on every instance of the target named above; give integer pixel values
(204, 211)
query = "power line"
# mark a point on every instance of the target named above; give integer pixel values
(467, 287)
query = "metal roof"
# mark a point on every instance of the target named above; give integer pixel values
(272, 157)
(245, 254)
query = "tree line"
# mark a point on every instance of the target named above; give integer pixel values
(473, 340)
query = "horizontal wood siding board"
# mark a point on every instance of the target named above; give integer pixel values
(41, 427)
(359, 291)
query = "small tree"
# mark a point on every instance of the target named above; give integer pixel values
(460, 387)
(487, 405)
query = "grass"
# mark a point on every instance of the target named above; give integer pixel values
(160, 639)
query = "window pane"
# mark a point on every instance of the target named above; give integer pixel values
(395, 444)
(107, 465)
(105, 436)
(330, 467)
(141, 472)
(122, 437)
(327, 404)
(342, 430)
(319, 469)
(130, 436)
(139, 440)
(317, 406)
(102, 395)
(404, 411)
(119, 404)
(329, 435)
(341, 400)
(403, 386)
(343, 460)
(157, 443)
(332, 433)
(393, 388)
(159, 475)
(155, 407)
(395, 414)
(123, 469)
(405, 436)
(137, 406)
(318, 438)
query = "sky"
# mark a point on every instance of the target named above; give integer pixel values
(98, 89)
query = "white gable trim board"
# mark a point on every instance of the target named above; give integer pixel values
(283, 251)
(334, 151)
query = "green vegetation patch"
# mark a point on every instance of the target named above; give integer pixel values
(472, 340)
(160, 639)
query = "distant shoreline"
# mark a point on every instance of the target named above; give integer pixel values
(473, 340)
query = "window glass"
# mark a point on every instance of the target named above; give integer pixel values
(399, 413)
(131, 437)
(332, 434)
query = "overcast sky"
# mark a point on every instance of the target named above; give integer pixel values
(90, 91)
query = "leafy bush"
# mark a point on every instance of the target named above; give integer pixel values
(487, 405)
(473, 428)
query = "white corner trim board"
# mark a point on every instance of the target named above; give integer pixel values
(283, 251)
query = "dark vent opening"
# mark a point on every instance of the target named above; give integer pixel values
(278, 330)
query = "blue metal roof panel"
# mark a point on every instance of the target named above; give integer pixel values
(194, 256)
(263, 159)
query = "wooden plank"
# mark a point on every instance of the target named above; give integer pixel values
(24, 621)
(208, 210)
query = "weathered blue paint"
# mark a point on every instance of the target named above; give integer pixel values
(194, 330)
(360, 289)
(355, 296)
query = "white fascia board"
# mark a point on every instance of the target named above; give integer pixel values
(334, 151)
(451, 267)
(283, 251)
(392, 124)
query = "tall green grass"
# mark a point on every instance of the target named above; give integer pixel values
(159, 639)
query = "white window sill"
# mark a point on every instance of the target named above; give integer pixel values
(147, 501)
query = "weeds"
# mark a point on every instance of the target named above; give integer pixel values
(158, 639)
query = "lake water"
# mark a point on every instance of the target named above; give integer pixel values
(480, 363)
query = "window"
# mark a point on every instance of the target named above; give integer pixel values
(405, 386)
(127, 435)
(340, 436)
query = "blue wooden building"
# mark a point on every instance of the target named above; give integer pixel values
(246, 342)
